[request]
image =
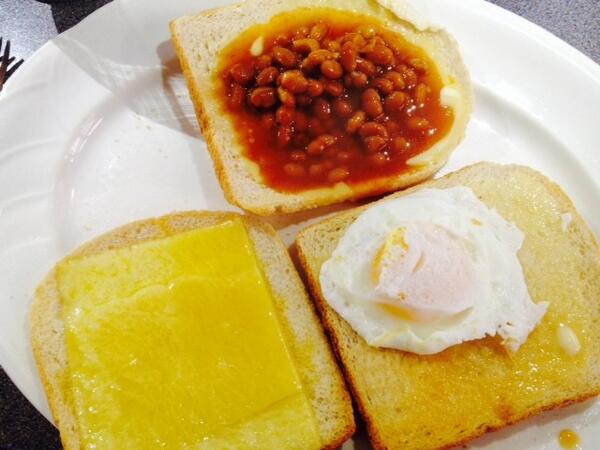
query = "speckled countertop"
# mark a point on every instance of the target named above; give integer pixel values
(29, 24)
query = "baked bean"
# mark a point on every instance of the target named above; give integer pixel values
(399, 145)
(371, 102)
(298, 155)
(237, 96)
(301, 122)
(305, 45)
(294, 169)
(374, 143)
(263, 97)
(359, 79)
(371, 44)
(294, 81)
(315, 127)
(315, 88)
(316, 169)
(316, 58)
(409, 75)
(366, 67)
(383, 85)
(417, 123)
(372, 129)
(380, 55)
(396, 78)
(319, 31)
(286, 97)
(421, 93)
(342, 108)
(355, 122)
(242, 73)
(332, 69)
(284, 56)
(319, 56)
(377, 40)
(368, 47)
(343, 156)
(267, 76)
(378, 159)
(321, 109)
(366, 31)
(284, 136)
(303, 99)
(282, 39)
(418, 64)
(285, 115)
(347, 80)
(394, 102)
(307, 65)
(268, 120)
(354, 38)
(334, 88)
(263, 61)
(392, 127)
(318, 145)
(333, 46)
(301, 32)
(337, 174)
(348, 56)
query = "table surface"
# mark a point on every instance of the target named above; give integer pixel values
(29, 24)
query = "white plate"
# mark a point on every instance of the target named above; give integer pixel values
(96, 130)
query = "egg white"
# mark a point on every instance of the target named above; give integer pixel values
(500, 301)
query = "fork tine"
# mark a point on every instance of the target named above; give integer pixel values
(13, 68)
(11, 59)
(6, 53)
(3, 65)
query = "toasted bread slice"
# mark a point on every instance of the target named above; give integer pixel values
(198, 41)
(309, 348)
(411, 401)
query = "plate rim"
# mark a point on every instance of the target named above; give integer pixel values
(561, 49)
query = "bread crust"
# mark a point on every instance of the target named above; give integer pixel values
(320, 376)
(333, 323)
(243, 188)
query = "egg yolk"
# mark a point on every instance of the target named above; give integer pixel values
(423, 272)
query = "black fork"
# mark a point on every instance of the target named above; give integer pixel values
(5, 61)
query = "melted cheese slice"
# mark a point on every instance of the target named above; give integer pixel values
(174, 343)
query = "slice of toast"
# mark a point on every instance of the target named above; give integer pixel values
(198, 41)
(309, 348)
(411, 401)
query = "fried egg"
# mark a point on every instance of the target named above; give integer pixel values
(430, 270)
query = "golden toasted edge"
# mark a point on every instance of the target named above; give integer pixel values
(330, 329)
(47, 329)
(50, 357)
(294, 202)
(327, 313)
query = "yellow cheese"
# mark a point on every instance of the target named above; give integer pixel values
(175, 343)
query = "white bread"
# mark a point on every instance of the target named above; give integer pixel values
(310, 350)
(437, 401)
(198, 41)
